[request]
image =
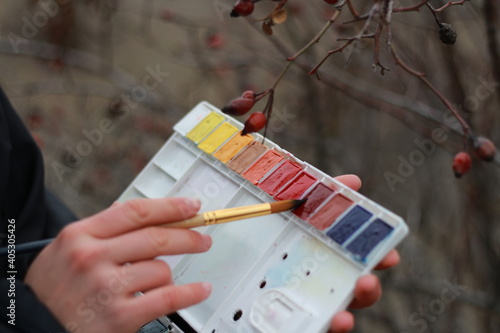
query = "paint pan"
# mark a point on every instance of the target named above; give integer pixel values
(330, 211)
(193, 118)
(217, 138)
(314, 199)
(351, 222)
(262, 166)
(203, 128)
(279, 177)
(233, 147)
(297, 187)
(370, 237)
(247, 156)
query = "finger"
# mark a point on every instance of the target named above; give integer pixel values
(167, 299)
(140, 213)
(391, 259)
(351, 181)
(366, 292)
(342, 322)
(151, 242)
(144, 276)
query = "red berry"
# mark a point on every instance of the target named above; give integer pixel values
(34, 121)
(238, 106)
(461, 164)
(254, 123)
(167, 15)
(331, 2)
(248, 94)
(216, 40)
(484, 148)
(242, 8)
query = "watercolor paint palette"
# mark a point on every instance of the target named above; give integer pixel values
(288, 272)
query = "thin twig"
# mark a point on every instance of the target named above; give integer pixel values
(421, 76)
(433, 11)
(329, 53)
(452, 3)
(415, 8)
(315, 40)
(352, 9)
(388, 10)
(376, 51)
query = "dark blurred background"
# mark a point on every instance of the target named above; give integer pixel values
(69, 65)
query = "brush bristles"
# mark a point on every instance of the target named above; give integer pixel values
(281, 206)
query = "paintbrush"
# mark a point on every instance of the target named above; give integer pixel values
(236, 213)
(208, 218)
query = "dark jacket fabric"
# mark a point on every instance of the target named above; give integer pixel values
(33, 214)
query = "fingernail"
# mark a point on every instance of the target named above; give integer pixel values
(207, 240)
(207, 286)
(193, 203)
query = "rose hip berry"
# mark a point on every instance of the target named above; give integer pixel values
(238, 106)
(242, 8)
(248, 94)
(215, 40)
(331, 2)
(254, 123)
(461, 164)
(484, 148)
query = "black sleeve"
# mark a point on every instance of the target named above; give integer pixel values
(36, 214)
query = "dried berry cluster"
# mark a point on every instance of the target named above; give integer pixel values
(277, 16)
(381, 13)
(243, 104)
(484, 150)
(243, 8)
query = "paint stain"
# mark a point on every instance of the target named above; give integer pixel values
(327, 214)
(233, 147)
(314, 199)
(217, 137)
(204, 127)
(364, 243)
(262, 166)
(247, 156)
(279, 177)
(295, 189)
(351, 222)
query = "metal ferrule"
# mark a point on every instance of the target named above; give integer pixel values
(237, 213)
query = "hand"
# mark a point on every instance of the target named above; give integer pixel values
(367, 290)
(84, 277)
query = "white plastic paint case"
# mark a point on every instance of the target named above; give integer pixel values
(275, 273)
